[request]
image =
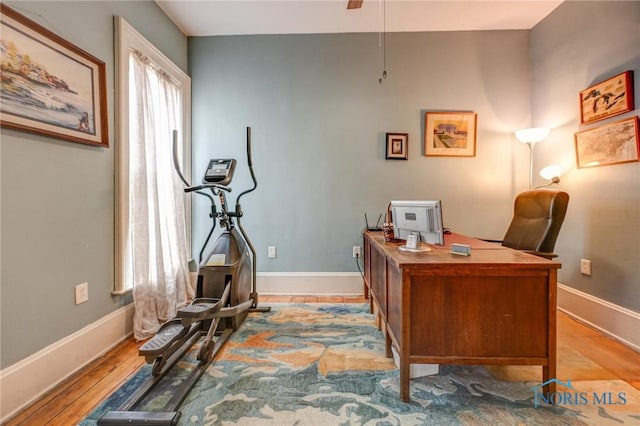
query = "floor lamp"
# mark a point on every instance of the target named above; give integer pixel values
(531, 137)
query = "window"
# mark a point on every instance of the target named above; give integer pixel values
(152, 212)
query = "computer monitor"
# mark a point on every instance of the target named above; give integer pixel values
(423, 217)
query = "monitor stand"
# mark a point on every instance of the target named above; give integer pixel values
(420, 249)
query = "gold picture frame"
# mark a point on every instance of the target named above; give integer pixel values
(450, 134)
(608, 98)
(612, 143)
(49, 86)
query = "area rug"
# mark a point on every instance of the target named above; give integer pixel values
(324, 364)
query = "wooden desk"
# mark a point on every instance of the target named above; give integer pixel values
(497, 306)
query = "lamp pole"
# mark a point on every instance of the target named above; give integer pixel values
(531, 146)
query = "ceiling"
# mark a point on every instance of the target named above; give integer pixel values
(232, 17)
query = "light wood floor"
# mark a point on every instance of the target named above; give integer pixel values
(583, 354)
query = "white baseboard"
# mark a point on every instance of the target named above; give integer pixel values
(615, 321)
(27, 380)
(310, 283)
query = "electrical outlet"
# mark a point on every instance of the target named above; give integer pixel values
(585, 267)
(357, 251)
(272, 252)
(82, 293)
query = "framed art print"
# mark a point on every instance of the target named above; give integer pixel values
(49, 86)
(450, 134)
(608, 98)
(397, 146)
(612, 143)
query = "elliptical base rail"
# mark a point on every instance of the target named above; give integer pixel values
(128, 418)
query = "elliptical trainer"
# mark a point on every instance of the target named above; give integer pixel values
(232, 257)
(225, 293)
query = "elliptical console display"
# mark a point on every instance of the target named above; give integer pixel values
(220, 171)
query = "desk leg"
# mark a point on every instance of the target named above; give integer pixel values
(404, 380)
(549, 373)
(387, 345)
(549, 370)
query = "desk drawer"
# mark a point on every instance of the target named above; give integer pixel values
(479, 316)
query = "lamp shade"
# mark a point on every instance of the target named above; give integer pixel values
(532, 135)
(551, 171)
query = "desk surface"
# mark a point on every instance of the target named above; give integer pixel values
(483, 253)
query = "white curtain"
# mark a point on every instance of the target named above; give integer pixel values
(157, 239)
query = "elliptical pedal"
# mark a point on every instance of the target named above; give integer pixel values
(199, 309)
(169, 332)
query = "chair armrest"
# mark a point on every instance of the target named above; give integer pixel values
(490, 241)
(541, 254)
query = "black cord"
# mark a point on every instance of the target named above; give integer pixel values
(358, 265)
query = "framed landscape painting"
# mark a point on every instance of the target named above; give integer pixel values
(49, 86)
(450, 134)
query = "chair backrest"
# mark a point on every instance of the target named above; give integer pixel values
(537, 217)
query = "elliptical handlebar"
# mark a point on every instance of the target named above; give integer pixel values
(253, 175)
(176, 166)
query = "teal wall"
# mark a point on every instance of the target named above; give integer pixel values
(578, 45)
(319, 119)
(57, 197)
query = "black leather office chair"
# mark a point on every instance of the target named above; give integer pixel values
(537, 217)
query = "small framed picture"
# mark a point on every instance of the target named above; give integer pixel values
(397, 146)
(611, 143)
(450, 134)
(608, 98)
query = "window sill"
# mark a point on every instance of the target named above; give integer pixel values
(121, 292)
